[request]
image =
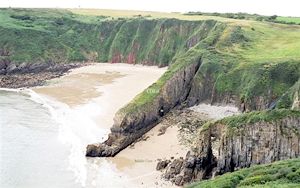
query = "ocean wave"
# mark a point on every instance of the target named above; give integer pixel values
(66, 120)
(11, 90)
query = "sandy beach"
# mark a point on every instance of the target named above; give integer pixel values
(98, 91)
(109, 87)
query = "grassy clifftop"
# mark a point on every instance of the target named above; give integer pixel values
(32, 35)
(243, 57)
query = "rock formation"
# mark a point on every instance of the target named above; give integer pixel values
(129, 126)
(221, 148)
(14, 75)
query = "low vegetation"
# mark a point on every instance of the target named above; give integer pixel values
(278, 175)
(253, 117)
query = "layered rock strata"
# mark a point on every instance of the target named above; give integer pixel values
(222, 149)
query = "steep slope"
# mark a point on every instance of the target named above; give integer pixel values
(141, 114)
(31, 35)
(290, 99)
(224, 76)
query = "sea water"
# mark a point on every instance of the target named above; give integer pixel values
(42, 144)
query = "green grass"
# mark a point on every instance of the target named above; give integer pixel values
(289, 19)
(61, 36)
(278, 174)
(287, 98)
(272, 42)
(256, 116)
(265, 42)
(145, 99)
(244, 57)
(264, 55)
(268, 42)
(245, 119)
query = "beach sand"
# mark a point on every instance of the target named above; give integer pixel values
(111, 86)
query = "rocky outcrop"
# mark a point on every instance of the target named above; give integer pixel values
(162, 164)
(130, 125)
(2, 65)
(296, 103)
(222, 148)
(31, 74)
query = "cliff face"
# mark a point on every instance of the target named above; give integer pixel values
(172, 89)
(128, 126)
(224, 147)
(250, 87)
(61, 36)
(259, 143)
(218, 79)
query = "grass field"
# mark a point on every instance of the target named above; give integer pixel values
(272, 42)
(269, 42)
(289, 19)
(152, 15)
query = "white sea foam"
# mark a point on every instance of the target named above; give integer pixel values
(76, 130)
(9, 89)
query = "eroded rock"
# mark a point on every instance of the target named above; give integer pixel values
(162, 164)
(31, 74)
(252, 144)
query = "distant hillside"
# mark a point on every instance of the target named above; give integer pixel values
(58, 35)
(31, 35)
(246, 16)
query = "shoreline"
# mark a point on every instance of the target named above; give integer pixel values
(98, 91)
(110, 87)
(27, 75)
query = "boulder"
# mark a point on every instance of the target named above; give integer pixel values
(11, 68)
(162, 164)
(2, 64)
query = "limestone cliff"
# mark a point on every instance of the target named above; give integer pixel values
(215, 84)
(239, 142)
(129, 126)
(172, 89)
